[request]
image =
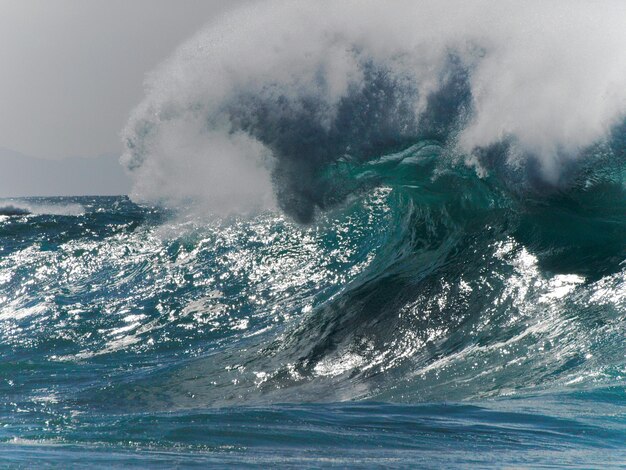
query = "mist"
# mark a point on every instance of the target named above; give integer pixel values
(516, 73)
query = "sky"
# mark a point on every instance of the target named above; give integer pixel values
(72, 70)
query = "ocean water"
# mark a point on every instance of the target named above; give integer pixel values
(414, 324)
(358, 236)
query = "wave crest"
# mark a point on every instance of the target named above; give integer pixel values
(256, 105)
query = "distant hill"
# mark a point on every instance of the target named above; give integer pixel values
(22, 175)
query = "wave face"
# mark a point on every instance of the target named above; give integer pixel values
(340, 223)
(432, 285)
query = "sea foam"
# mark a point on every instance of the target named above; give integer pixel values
(254, 106)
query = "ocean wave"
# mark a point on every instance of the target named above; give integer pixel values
(360, 232)
(11, 209)
(428, 260)
(427, 283)
(254, 108)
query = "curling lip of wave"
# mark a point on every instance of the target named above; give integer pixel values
(260, 102)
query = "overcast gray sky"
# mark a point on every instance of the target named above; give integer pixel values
(71, 70)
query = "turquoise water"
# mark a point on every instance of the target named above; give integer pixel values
(430, 317)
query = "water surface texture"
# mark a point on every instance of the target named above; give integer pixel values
(413, 324)
(350, 243)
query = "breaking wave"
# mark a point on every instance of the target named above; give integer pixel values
(254, 108)
(397, 202)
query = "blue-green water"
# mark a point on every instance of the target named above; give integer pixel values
(430, 318)
(515, 434)
(360, 234)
